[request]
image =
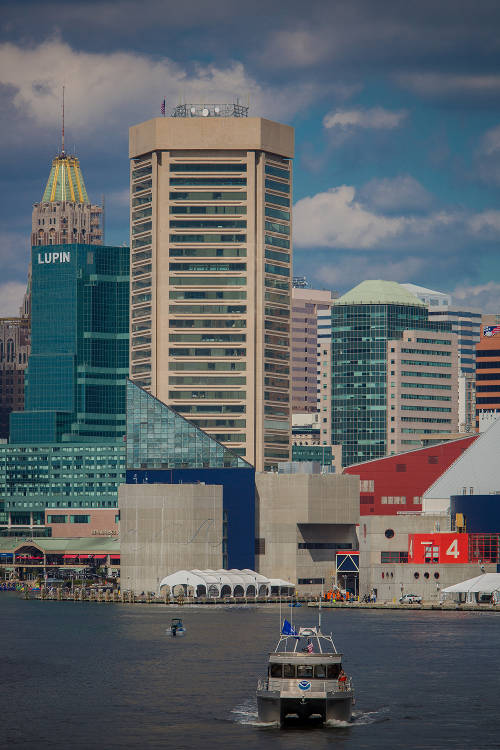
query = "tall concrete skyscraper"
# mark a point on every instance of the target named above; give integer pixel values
(211, 193)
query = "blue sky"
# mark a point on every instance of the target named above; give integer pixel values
(396, 108)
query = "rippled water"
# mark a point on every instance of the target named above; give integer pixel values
(81, 676)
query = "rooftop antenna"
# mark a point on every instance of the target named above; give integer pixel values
(63, 121)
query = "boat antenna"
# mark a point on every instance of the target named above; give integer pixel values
(280, 608)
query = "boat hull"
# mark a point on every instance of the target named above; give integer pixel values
(274, 707)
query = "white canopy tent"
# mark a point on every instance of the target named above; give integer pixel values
(220, 583)
(485, 585)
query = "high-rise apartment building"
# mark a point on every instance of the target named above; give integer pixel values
(211, 193)
(305, 306)
(363, 322)
(466, 324)
(422, 387)
(14, 351)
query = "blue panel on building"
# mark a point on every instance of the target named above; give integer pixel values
(482, 512)
(238, 499)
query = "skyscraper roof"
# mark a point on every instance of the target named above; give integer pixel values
(65, 181)
(378, 292)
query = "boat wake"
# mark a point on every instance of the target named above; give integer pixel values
(247, 714)
(360, 718)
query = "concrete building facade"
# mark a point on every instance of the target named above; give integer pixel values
(168, 527)
(211, 273)
(303, 520)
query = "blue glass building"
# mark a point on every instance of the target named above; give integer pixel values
(363, 321)
(75, 380)
(67, 448)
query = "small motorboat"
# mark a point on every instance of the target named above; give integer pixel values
(176, 629)
(305, 679)
(295, 604)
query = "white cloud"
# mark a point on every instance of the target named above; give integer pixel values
(336, 219)
(111, 91)
(484, 223)
(11, 296)
(391, 195)
(343, 274)
(485, 297)
(376, 118)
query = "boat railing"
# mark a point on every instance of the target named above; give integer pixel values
(317, 686)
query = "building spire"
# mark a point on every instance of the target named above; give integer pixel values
(62, 152)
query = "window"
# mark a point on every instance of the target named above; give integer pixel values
(57, 519)
(80, 519)
(394, 557)
(389, 533)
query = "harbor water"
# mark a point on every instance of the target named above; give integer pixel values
(83, 676)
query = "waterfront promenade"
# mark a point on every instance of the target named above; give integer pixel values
(127, 597)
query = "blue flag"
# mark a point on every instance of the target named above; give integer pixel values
(288, 629)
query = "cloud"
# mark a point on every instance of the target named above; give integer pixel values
(121, 88)
(337, 219)
(485, 297)
(343, 274)
(11, 296)
(376, 118)
(451, 85)
(488, 156)
(395, 195)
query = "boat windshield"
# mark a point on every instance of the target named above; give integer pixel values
(301, 671)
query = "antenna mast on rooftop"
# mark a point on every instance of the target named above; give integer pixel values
(63, 122)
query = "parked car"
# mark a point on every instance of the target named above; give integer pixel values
(410, 599)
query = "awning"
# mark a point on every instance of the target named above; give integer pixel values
(100, 557)
(115, 557)
(71, 556)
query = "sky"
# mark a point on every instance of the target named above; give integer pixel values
(395, 105)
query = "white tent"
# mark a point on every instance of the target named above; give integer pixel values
(483, 585)
(217, 583)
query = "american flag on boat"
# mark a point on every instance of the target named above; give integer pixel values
(309, 648)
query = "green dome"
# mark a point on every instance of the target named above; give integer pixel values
(377, 292)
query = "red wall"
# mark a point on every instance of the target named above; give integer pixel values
(405, 475)
(449, 547)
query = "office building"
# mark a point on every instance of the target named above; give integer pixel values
(211, 273)
(66, 448)
(466, 324)
(488, 371)
(306, 304)
(364, 321)
(422, 388)
(14, 351)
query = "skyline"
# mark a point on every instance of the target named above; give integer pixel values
(396, 113)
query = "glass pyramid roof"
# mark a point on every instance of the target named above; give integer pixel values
(160, 438)
(65, 181)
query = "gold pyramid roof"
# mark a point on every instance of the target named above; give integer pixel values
(65, 181)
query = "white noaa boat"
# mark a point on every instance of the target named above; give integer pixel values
(305, 679)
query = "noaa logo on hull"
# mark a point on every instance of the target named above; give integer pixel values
(304, 685)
